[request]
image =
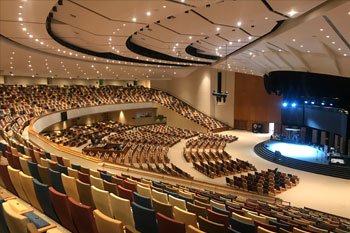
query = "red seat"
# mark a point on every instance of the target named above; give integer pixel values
(83, 177)
(60, 160)
(130, 186)
(60, 204)
(83, 217)
(234, 210)
(169, 225)
(125, 193)
(4, 173)
(218, 218)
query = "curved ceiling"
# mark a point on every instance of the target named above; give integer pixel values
(172, 37)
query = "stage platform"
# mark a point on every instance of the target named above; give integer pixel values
(301, 157)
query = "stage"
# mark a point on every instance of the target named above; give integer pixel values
(298, 151)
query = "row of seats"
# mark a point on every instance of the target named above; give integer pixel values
(137, 190)
(265, 182)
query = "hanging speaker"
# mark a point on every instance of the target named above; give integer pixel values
(219, 82)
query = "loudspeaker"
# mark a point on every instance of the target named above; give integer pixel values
(219, 82)
(257, 128)
(63, 116)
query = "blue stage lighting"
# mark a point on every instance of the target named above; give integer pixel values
(330, 104)
(285, 104)
(323, 103)
(294, 105)
(306, 102)
(312, 102)
(294, 150)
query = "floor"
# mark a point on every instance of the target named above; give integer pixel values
(319, 192)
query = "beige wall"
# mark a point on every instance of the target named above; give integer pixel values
(196, 89)
(19, 80)
(2, 79)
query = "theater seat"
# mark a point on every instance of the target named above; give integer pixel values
(34, 172)
(44, 175)
(192, 229)
(125, 193)
(168, 225)
(106, 224)
(3, 225)
(145, 219)
(5, 177)
(56, 181)
(177, 202)
(162, 197)
(82, 217)
(122, 210)
(85, 195)
(144, 191)
(218, 218)
(184, 216)
(16, 181)
(16, 223)
(70, 186)
(110, 187)
(198, 210)
(62, 210)
(165, 209)
(102, 201)
(28, 187)
(210, 226)
(43, 196)
(142, 200)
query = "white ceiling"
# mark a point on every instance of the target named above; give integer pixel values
(104, 26)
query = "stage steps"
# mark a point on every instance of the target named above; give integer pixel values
(327, 170)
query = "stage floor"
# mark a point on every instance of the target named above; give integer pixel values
(298, 151)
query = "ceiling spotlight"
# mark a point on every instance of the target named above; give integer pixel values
(249, 37)
(30, 36)
(293, 40)
(230, 43)
(327, 36)
(20, 19)
(164, 6)
(292, 12)
(321, 29)
(218, 29)
(24, 29)
(266, 18)
(134, 19)
(190, 37)
(333, 42)
(239, 23)
(148, 13)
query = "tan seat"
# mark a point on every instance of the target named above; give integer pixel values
(186, 194)
(16, 223)
(28, 187)
(16, 181)
(146, 192)
(122, 210)
(95, 173)
(159, 196)
(210, 226)
(242, 218)
(97, 182)
(217, 205)
(110, 187)
(198, 210)
(102, 201)
(24, 166)
(44, 175)
(70, 186)
(107, 224)
(205, 205)
(85, 195)
(177, 202)
(146, 182)
(184, 216)
(44, 162)
(165, 209)
(73, 173)
(263, 230)
(316, 229)
(297, 230)
(257, 217)
(66, 162)
(192, 229)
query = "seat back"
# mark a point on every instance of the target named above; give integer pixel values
(125, 193)
(218, 218)
(56, 181)
(15, 178)
(66, 162)
(192, 229)
(257, 217)
(217, 205)
(145, 219)
(165, 209)
(117, 181)
(159, 196)
(242, 218)
(44, 175)
(24, 166)
(16, 223)
(263, 230)
(102, 201)
(142, 200)
(33, 168)
(107, 224)
(121, 209)
(83, 177)
(62, 210)
(105, 176)
(146, 192)
(62, 169)
(97, 182)
(169, 225)
(177, 202)
(184, 216)
(43, 196)
(3, 225)
(82, 216)
(73, 173)
(85, 195)
(5, 177)
(70, 186)
(28, 187)
(129, 185)
(110, 187)
(241, 226)
(210, 226)
(198, 210)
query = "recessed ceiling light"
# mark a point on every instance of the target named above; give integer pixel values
(239, 40)
(266, 18)
(36, 40)
(230, 43)
(30, 36)
(292, 12)
(301, 46)
(293, 40)
(249, 37)
(164, 6)
(41, 43)
(345, 54)
(339, 49)
(308, 51)
(20, 19)
(239, 23)
(24, 29)
(21, 7)
(218, 29)
(263, 51)
(327, 36)
(190, 37)
(280, 50)
(333, 42)
(134, 19)
(148, 13)
(349, 13)
(321, 29)
(182, 0)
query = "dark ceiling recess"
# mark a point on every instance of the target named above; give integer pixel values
(194, 52)
(294, 84)
(156, 55)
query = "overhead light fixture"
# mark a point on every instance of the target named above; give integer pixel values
(20, 19)
(249, 37)
(164, 6)
(134, 19)
(292, 12)
(321, 29)
(239, 23)
(218, 29)
(190, 37)
(24, 29)
(293, 40)
(148, 13)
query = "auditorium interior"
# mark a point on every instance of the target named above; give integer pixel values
(174, 116)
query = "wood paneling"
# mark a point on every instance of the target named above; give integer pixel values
(254, 104)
